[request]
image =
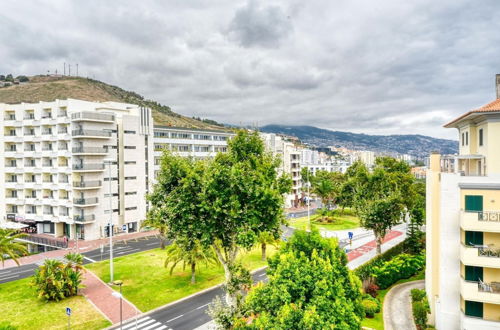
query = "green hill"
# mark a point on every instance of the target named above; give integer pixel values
(50, 88)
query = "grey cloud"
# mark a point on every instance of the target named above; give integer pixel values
(254, 25)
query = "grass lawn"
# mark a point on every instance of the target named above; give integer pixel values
(21, 308)
(377, 322)
(148, 284)
(346, 221)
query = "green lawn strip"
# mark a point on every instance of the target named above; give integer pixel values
(377, 322)
(341, 222)
(21, 308)
(148, 284)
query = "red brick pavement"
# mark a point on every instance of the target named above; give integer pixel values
(100, 294)
(371, 245)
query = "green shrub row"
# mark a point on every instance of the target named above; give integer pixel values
(400, 267)
(371, 305)
(420, 308)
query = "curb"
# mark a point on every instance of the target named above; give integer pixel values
(178, 301)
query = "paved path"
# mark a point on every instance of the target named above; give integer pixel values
(364, 249)
(397, 306)
(100, 294)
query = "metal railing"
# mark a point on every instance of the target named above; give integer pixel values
(87, 184)
(92, 116)
(83, 218)
(91, 150)
(86, 167)
(488, 216)
(90, 132)
(46, 241)
(85, 201)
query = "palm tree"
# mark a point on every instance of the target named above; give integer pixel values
(156, 221)
(177, 254)
(9, 247)
(264, 239)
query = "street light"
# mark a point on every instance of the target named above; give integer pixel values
(119, 295)
(110, 225)
(308, 201)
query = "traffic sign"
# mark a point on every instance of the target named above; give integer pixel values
(124, 227)
(350, 234)
(68, 311)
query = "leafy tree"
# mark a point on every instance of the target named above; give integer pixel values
(9, 78)
(224, 203)
(55, 280)
(264, 239)
(189, 257)
(9, 248)
(22, 78)
(155, 220)
(310, 287)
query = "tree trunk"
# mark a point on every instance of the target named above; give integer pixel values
(263, 249)
(162, 243)
(379, 239)
(226, 262)
(193, 272)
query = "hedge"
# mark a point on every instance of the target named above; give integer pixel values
(420, 308)
(400, 267)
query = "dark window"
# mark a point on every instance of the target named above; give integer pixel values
(131, 208)
(473, 237)
(466, 138)
(130, 178)
(131, 193)
(473, 203)
(129, 147)
(473, 308)
(112, 179)
(473, 273)
(129, 132)
(130, 162)
(481, 137)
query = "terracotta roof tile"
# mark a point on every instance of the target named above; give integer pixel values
(490, 107)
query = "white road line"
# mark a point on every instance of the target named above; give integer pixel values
(175, 318)
(139, 321)
(202, 306)
(4, 278)
(147, 322)
(162, 327)
(91, 260)
(149, 244)
(154, 325)
(8, 271)
(261, 275)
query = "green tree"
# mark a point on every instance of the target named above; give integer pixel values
(224, 203)
(155, 220)
(9, 77)
(9, 248)
(310, 287)
(192, 257)
(265, 238)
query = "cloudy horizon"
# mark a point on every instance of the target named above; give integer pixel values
(376, 68)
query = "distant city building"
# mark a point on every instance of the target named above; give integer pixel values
(463, 227)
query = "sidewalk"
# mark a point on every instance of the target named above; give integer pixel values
(83, 246)
(368, 251)
(100, 295)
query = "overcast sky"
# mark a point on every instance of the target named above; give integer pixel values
(378, 67)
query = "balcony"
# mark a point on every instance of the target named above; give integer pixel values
(481, 256)
(90, 133)
(88, 167)
(482, 292)
(84, 218)
(485, 221)
(93, 116)
(87, 184)
(84, 202)
(89, 151)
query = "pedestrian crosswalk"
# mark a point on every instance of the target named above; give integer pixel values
(145, 323)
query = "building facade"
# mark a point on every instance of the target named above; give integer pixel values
(70, 167)
(463, 226)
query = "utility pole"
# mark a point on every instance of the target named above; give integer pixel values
(69, 69)
(110, 227)
(77, 69)
(64, 68)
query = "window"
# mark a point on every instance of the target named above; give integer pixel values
(112, 179)
(480, 137)
(131, 193)
(473, 203)
(129, 132)
(161, 134)
(130, 162)
(107, 195)
(463, 139)
(474, 274)
(131, 208)
(130, 178)
(129, 147)
(473, 308)
(466, 138)
(473, 238)
(48, 228)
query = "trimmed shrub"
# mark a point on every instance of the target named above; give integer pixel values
(370, 307)
(417, 295)
(420, 310)
(372, 289)
(402, 266)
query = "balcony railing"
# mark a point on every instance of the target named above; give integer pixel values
(486, 221)
(84, 218)
(89, 150)
(90, 132)
(88, 167)
(58, 243)
(92, 116)
(85, 201)
(87, 184)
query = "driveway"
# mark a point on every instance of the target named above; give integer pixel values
(397, 306)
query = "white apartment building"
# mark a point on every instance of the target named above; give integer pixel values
(188, 142)
(71, 166)
(290, 157)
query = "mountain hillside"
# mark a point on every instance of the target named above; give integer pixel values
(50, 88)
(416, 145)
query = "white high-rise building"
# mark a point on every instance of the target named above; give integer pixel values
(68, 166)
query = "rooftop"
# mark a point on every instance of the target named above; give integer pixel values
(488, 108)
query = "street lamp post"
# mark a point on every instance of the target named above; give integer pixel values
(120, 283)
(110, 225)
(308, 201)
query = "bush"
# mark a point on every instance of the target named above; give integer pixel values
(417, 295)
(402, 266)
(372, 289)
(7, 326)
(55, 280)
(420, 310)
(370, 307)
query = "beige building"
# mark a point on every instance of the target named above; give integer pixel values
(463, 226)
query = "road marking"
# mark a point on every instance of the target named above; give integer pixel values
(202, 306)
(262, 275)
(155, 243)
(175, 318)
(139, 321)
(128, 251)
(8, 271)
(91, 260)
(154, 325)
(4, 278)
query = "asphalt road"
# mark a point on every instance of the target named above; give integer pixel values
(120, 248)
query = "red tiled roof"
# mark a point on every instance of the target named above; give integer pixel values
(490, 107)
